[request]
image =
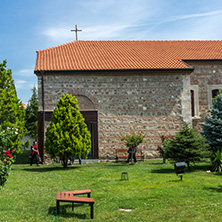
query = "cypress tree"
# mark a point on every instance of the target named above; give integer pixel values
(67, 134)
(31, 115)
(187, 146)
(12, 112)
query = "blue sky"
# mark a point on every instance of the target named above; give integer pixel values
(30, 25)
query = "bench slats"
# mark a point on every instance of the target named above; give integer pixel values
(79, 192)
(69, 198)
(122, 156)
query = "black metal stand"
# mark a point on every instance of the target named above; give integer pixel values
(124, 176)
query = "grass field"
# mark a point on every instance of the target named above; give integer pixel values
(152, 193)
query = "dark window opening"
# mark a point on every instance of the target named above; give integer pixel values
(214, 93)
(91, 130)
(192, 103)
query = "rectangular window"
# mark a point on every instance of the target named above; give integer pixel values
(213, 90)
(214, 93)
(192, 103)
(194, 93)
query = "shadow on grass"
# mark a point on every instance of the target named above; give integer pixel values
(203, 167)
(117, 164)
(163, 171)
(176, 181)
(193, 168)
(43, 169)
(63, 212)
(214, 189)
(161, 163)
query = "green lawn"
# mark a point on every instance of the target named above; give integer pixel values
(153, 193)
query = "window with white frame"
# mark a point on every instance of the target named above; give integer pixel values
(194, 93)
(213, 90)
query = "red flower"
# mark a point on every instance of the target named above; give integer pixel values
(9, 155)
(164, 138)
(158, 147)
(172, 137)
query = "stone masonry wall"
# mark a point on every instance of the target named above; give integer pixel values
(149, 103)
(204, 75)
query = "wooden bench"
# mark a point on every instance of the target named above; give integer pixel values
(123, 153)
(79, 192)
(69, 196)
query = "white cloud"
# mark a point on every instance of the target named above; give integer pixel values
(200, 26)
(189, 16)
(26, 72)
(20, 84)
(102, 20)
(59, 34)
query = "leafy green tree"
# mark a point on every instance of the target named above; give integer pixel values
(12, 112)
(67, 134)
(186, 146)
(31, 115)
(6, 156)
(212, 130)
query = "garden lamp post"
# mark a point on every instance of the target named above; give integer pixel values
(180, 169)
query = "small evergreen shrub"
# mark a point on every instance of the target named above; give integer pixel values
(188, 146)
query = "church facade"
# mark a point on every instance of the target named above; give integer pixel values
(153, 87)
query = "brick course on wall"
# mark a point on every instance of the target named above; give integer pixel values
(149, 103)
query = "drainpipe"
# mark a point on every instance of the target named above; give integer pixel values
(43, 117)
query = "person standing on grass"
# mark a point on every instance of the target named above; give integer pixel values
(132, 154)
(72, 160)
(34, 153)
(79, 157)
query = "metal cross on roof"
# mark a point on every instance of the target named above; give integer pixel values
(76, 30)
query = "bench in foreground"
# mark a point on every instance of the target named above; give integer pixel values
(69, 196)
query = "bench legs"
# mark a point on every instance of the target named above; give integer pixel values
(91, 207)
(57, 206)
(92, 210)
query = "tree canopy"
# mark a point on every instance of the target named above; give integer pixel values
(31, 115)
(67, 135)
(12, 112)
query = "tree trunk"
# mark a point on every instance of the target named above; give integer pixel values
(65, 163)
(188, 166)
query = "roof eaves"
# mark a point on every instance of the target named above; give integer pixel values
(189, 69)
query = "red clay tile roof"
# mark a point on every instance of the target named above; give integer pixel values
(120, 55)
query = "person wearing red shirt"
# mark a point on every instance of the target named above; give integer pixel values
(34, 153)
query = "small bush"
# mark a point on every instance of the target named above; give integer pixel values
(133, 140)
(188, 146)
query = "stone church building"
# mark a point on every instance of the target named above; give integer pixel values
(122, 87)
